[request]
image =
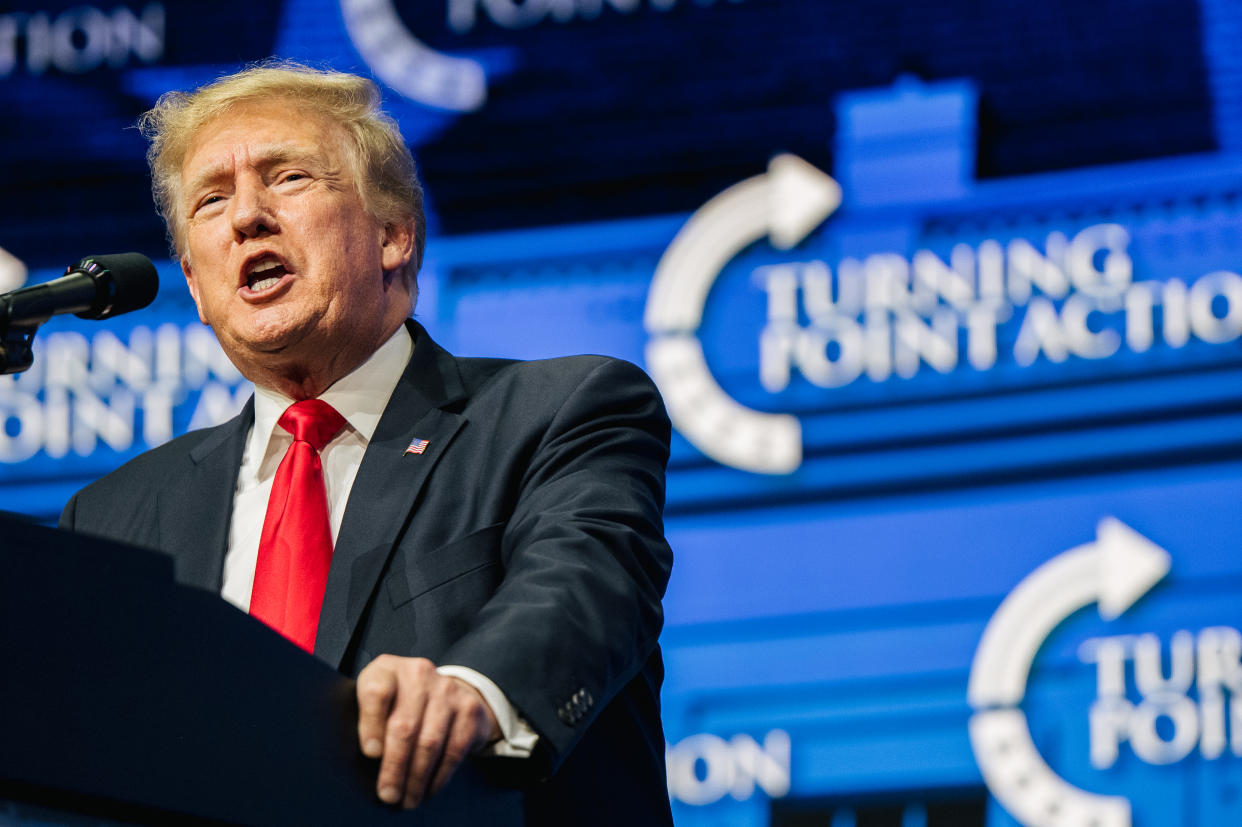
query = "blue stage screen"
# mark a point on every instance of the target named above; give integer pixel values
(945, 302)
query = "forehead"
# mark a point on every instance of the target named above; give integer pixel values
(255, 133)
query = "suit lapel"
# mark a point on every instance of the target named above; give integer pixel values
(386, 488)
(196, 507)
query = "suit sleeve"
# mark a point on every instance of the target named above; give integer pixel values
(578, 612)
(68, 514)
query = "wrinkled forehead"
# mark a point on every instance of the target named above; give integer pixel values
(203, 170)
(259, 133)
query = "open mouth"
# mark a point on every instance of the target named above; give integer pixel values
(264, 273)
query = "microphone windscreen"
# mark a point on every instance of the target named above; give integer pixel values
(126, 281)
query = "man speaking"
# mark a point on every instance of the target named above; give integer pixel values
(479, 541)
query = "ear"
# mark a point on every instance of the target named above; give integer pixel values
(190, 282)
(397, 245)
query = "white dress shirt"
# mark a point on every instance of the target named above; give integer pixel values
(360, 397)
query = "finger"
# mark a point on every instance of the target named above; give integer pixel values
(400, 734)
(377, 689)
(428, 748)
(470, 731)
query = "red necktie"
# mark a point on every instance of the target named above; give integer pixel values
(295, 548)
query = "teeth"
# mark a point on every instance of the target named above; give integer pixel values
(264, 266)
(264, 284)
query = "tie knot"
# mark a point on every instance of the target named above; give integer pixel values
(313, 421)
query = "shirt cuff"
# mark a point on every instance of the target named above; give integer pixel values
(517, 738)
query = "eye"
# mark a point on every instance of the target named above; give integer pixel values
(207, 201)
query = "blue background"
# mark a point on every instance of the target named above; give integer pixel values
(842, 603)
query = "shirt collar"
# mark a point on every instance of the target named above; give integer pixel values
(360, 396)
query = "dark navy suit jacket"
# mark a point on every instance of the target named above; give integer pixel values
(526, 543)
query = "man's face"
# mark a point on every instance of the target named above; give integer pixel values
(280, 256)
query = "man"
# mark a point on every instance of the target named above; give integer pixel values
(479, 541)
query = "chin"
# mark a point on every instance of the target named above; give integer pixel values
(257, 346)
(276, 334)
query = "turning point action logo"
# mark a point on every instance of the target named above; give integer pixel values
(1162, 722)
(893, 314)
(1114, 571)
(408, 65)
(785, 204)
(459, 84)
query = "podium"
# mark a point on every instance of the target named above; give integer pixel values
(129, 698)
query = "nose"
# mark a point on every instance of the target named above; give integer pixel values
(252, 212)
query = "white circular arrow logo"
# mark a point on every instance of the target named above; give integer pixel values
(407, 64)
(785, 204)
(1114, 571)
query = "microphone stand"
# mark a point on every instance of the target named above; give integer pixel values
(16, 339)
(15, 348)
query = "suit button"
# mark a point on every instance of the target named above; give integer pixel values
(566, 715)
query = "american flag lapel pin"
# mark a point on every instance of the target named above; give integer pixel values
(416, 447)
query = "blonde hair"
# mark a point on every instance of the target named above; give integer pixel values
(383, 167)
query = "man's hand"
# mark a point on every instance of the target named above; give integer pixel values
(420, 723)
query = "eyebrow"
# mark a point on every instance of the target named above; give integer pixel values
(264, 155)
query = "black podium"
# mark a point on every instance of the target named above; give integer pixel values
(127, 697)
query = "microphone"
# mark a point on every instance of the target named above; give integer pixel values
(97, 287)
